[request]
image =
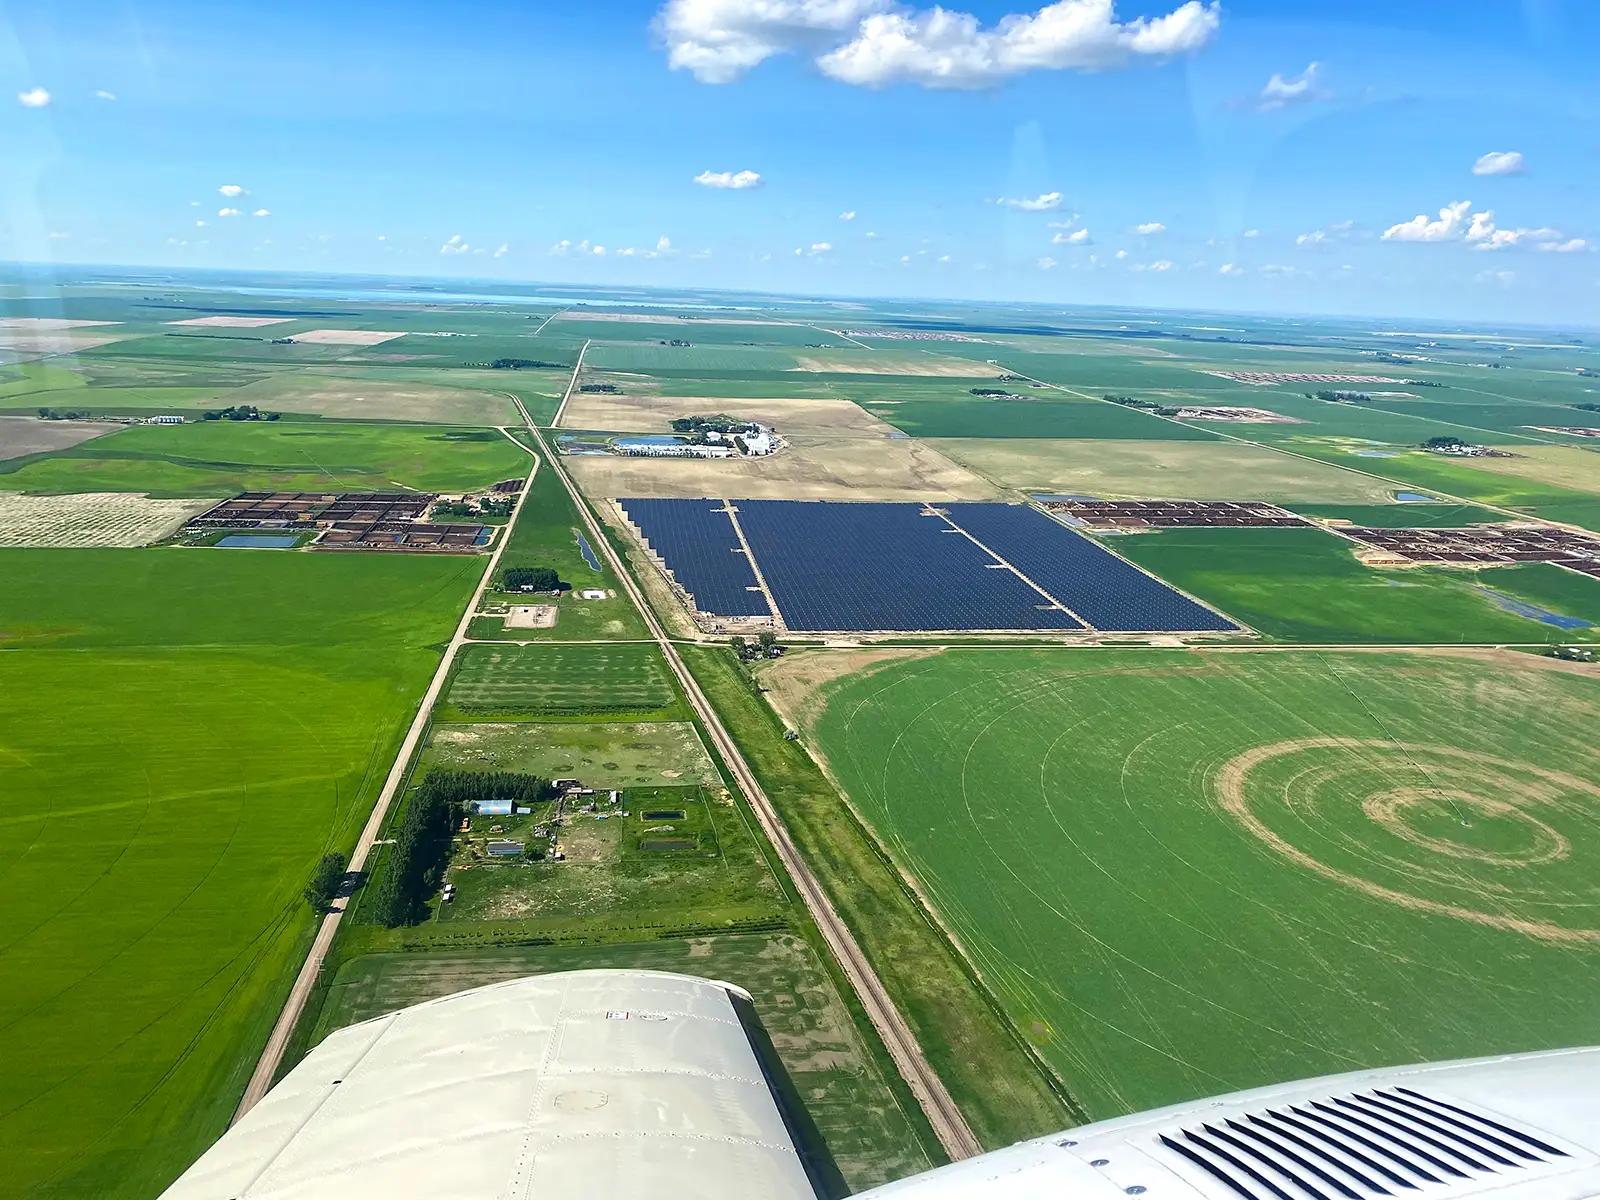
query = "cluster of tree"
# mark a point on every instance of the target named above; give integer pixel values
(1588, 407)
(717, 422)
(995, 394)
(675, 342)
(325, 881)
(765, 646)
(530, 579)
(488, 506)
(1161, 410)
(518, 364)
(1444, 443)
(609, 388)
(422, 835)
(1333, 397)
(1014, 379)
(241, 412)
(1422, 383)
(63, 414)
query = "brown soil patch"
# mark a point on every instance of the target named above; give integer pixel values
(868, 362)
(220, 322)
(346, 337)
(796, 683)
(30, 435)
(1230, 787)
(633, 412)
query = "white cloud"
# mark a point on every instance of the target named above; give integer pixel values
(1280, 93)
(848, 215)
(1342, 226)
(199, 224)
(734, 180)
(1503, 278)
(820, 247)
(1230, 269)
(904, 258)
(1047, 263)
(59, 237)
(261, 212)
(231, 190)
(1161, 264)
(561, 247)
(35, 98)
(227, 212)
(877, 42)
(1570, 246)
(1041, 203)
(1120, 254)
(872, 236)
(663, 244)
(1499, 162)
(1078, 237)
(455, 245)
(1315, 238)
(1279, 271)
(102, 94)
(502, 250)
(1421, 229)
(1150, 228)
(1251, 233)
(944, 258)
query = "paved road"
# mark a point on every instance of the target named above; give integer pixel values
(948, 1123)
(272, 1056)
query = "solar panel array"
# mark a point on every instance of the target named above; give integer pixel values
(701, 548)
(853, 566)
(881, 566)
(1105, 591)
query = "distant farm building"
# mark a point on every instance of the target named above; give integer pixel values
(504, 849)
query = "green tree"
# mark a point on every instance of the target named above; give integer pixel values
(325, 881)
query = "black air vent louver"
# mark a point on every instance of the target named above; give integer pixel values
(1386, 1142)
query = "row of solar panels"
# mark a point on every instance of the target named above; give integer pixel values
(859, 567)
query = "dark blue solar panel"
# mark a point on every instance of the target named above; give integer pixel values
(698, 543)
(884, 566)
(1101, 588)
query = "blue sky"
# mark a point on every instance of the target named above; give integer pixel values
(371, 135)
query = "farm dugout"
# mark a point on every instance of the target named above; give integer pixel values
(1187, 873)
(185, 733)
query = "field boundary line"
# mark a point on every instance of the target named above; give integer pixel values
(267, 1065)
(566, 397)
(948, 1124)
(547, 321)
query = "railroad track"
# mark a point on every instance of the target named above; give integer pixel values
(935, 1100)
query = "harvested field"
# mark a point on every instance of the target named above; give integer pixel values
(812, 468)
(30, 435)
(41, 337)
(47, 324)
(630, 413)
(369, 396)
(1116, 469)
(91, 519)
(1576, 467)
(873, 362)
(347, 337)
(224, 322)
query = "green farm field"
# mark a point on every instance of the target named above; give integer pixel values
(182, 734)
(602, 754)
(220, 458)
(1186, 873)
(1305, 585)
(559, 679)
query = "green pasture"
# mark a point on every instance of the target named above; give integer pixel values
(842, 1088)
(182, 734)
(559, 679)
(1305, 585)
(220, 458)
(602, 754)
(1460, 478)
(1052, 417)
(654, 358)
(1166, 919)
(1402, 516)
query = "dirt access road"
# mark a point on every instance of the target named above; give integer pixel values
(294, 1006)
(948, 1124)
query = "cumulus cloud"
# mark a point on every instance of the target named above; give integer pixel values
(456, 245)
(561, 248)
(1251, 233)
(1315, 238)
(1150, 228)
(1120, 255)
(873, 43)
(1570, 246)
(102, 94)
(231, 190)
(872, 235)
(820, 247)
(227, 212)
(1499, 162)
(1047, 263)
(1078, 237)
(737, 181)
(1280, 93)
(1041, 203)
(1161, 264)
(1421, 229)
(261, 212)
(1230, 269)
(848, 215)
(34, 98)
(502, 250)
